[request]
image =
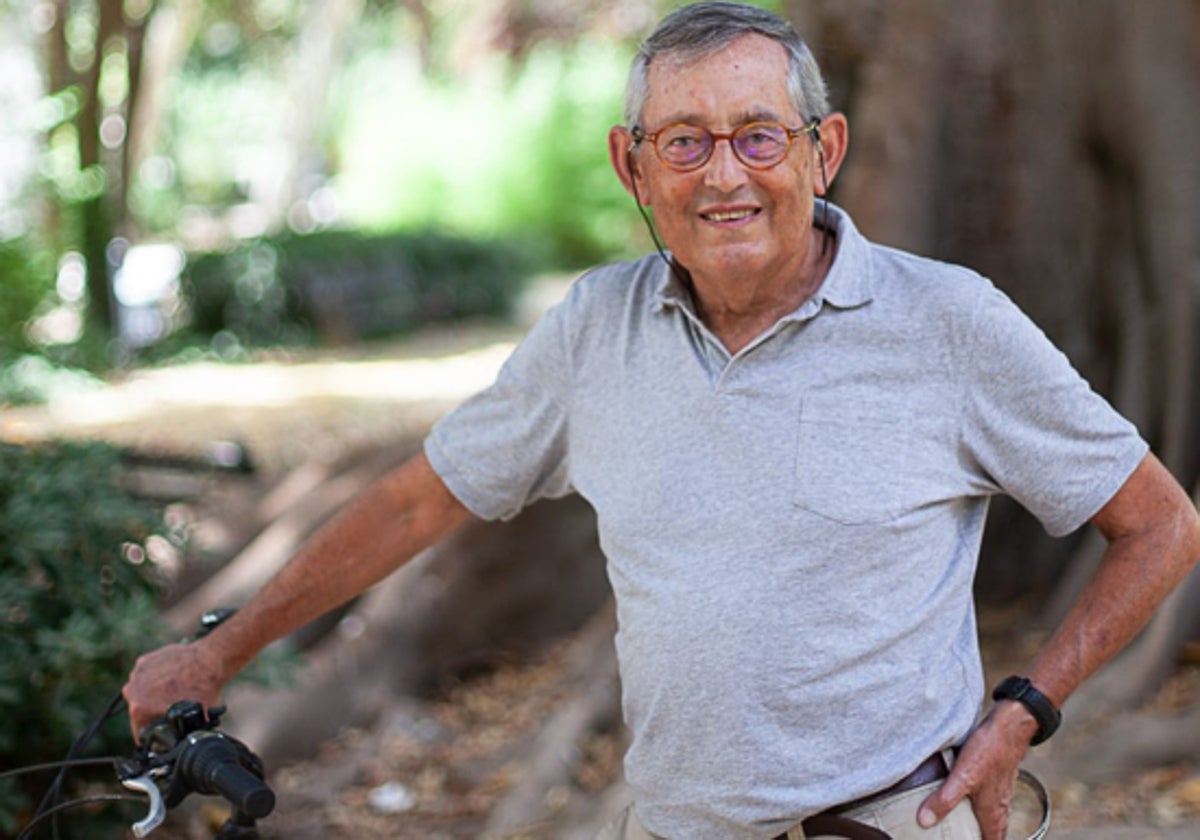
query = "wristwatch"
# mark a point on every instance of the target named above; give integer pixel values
(1021, 690)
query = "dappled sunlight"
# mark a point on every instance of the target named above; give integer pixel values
(287, 407)
(446, 379)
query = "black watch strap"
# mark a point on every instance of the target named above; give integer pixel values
(1021, 690)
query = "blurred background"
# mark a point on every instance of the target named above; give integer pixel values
(147, 144)
(257, 205)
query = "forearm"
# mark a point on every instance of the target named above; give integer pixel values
(1153, 544)
(1153, 534)
(402, 514)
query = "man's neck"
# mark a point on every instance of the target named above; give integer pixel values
(739, 309)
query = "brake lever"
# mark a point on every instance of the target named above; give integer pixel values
(157, 812)
(141, 772)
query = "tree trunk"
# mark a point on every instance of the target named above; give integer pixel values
(135, 42)
(318, 50)
(168, 33)
(96, 216)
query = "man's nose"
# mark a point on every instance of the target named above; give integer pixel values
(724, 171)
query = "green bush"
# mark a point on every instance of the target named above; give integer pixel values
(77, 604)
(338, 286)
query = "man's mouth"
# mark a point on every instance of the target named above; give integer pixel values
(730, 215)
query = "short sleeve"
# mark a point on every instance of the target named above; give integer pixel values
(506, 447)
(1034, 426)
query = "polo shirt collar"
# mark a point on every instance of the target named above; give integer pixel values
(848, 284)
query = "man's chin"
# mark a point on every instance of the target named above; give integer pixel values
(726, 261)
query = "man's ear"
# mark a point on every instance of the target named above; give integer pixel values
(832, 141)
(625, 163)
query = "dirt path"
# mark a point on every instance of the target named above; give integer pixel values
(286, 409)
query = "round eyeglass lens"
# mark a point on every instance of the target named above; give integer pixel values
(684, 145)
(760, 144)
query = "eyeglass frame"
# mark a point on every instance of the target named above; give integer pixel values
(639, 134)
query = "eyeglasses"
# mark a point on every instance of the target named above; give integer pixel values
(759, 145)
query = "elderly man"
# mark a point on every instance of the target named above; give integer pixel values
(790, 436)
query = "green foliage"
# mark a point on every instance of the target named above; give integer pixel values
(558, 179)
(337, 286)
(409, 137)
(24, 282)
(522, 150)
(222, 119)
(77, 601)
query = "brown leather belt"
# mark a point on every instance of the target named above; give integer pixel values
(833, 822)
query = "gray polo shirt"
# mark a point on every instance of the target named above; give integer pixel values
(791, 532)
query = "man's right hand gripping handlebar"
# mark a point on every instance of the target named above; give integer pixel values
(194, 670)
(171, 673)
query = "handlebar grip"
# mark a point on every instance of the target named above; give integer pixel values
(248, 793)
(210, 765)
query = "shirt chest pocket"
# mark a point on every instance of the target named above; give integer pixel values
(861, 465)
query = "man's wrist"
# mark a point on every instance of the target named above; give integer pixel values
(220, 656)
(1039, 707)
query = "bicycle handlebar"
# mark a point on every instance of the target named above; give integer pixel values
(181, 753)
(184, 753)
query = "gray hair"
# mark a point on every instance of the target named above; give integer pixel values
(696, 31)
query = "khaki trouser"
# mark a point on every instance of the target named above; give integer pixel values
(897, 815)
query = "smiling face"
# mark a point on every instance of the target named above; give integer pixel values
(725, 222)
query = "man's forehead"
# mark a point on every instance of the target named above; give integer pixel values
(750, 74)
